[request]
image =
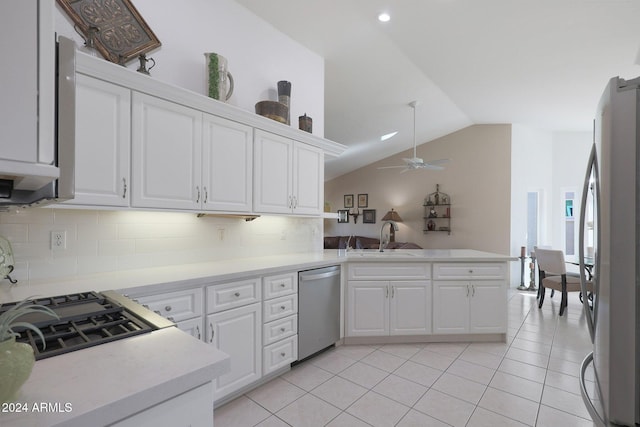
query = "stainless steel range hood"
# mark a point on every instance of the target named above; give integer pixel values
(26, 183)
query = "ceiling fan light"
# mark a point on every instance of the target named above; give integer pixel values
(388, 136)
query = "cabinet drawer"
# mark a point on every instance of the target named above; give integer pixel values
(279, 355)
(234, 294)
(280, 307)
(175, 306)
(280, 285)
(389, 270)
(482, 271)
(279, 329)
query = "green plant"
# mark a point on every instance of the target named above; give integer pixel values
(9, 319)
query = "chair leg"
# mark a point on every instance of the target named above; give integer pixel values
(563, 303)
(552, 292)
(541, 291)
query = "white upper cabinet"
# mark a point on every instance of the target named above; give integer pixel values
(103, 141)
(289, 176)
(227, 166)
(308, 179)
(166, 154)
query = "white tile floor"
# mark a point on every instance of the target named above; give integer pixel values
(532, 380)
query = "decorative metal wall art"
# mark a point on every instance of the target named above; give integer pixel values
(122, 34)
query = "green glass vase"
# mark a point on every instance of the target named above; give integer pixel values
(16, 362)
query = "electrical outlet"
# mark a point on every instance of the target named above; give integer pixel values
(58, 240)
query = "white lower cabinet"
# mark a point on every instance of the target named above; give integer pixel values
(379, 308)
(190, 409)
(237, 332)
(470, 298)
(469, 307)
(280, 321)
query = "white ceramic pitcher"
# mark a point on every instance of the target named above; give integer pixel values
(219, 79)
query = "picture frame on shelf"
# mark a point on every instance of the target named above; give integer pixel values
(343, 216)
(348, 201)
(121, 33)
(368, 216)
(363, 200)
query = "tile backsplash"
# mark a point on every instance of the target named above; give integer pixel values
(104, 241)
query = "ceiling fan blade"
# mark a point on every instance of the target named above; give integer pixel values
(392, 167)
(437, 162)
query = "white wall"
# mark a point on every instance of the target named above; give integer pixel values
(531, 170)
(259, 55)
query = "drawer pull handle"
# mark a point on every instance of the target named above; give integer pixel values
(470, 271)
(282, 329)
(157, 312)
(198, 331)
(283, 354)
(212, 332)
(167, 308)
(282, 285)
(237, 294)
(282, 307)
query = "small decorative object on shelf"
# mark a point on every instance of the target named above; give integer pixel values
(437, 212)
(143, 64)
(219, 79)
(305, 123)
(284, 96)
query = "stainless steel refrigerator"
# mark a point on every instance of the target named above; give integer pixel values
(610, 223)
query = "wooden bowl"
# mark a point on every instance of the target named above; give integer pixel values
(273, 110)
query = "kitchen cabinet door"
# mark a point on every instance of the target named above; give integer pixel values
(368, 309)
(488, 307)
(410, 308)
(451, 307)
(227, 165)
(237, 332)
(273, 159)
(308, 179)
(166, 154)
(103, 138)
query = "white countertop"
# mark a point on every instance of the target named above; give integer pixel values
(102, 384)
(216, 271)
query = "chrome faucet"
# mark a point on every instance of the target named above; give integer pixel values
(349, 243)
(395, 228)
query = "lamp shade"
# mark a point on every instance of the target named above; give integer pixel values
(392, 216)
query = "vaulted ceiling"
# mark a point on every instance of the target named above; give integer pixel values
(539, 63)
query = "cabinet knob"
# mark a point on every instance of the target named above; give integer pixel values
(167, 308)
(157, 312)
(283, 354)
(282, 285)
(282, 329)
(282, 307)
(237, 294)
(470, 271)
(170, 318)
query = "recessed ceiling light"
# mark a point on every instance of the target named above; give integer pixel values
(387, 136)
(384, 17)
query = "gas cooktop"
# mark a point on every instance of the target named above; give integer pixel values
(86, 319)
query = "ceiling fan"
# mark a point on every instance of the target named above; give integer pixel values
(416, 162)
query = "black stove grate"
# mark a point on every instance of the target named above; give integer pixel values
(86, 319)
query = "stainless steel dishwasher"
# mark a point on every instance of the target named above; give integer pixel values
(318, 309)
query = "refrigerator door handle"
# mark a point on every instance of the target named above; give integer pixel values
(592, 166)
(595, 416)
